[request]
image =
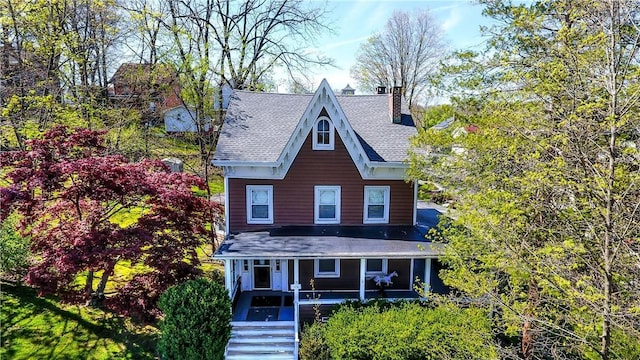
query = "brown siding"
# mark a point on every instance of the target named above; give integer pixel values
(293, 196)
(403, 268)
(349, 276)
(308, 312)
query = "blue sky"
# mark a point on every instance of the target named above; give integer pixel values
(355, 20)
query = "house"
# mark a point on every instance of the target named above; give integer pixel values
(149, 88)
(23, 71)
(317, 205)
(181, 119)
(154, 89)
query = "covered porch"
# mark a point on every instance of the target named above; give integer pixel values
(330, 264)
(260, 305)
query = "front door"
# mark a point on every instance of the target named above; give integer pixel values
(261, 274)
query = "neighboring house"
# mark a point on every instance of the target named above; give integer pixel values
(457, 132)
(25, 72)
(149, 88)
(155, 91)
(315, 191)
(181, 119)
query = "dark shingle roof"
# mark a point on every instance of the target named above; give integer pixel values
(258, 126)
(337, 240)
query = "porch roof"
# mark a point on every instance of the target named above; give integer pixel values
(275, 244)
(265, 245)
(367, 241)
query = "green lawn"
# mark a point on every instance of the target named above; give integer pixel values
(42, 328)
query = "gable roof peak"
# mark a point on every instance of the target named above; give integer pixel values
(265, 131)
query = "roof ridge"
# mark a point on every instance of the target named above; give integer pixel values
(269, 93)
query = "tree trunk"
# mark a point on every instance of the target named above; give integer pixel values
(88, 287)
(103, 281)
(528, 340)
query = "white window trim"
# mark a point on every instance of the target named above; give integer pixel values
(387, 195)
(316, 205)
(385, 267)
(330, 145)
(269, 219)
(318, 274)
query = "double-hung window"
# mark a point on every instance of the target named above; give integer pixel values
(377, 266)
(326, 268)
(259, 204)
(376, 204)
(327, 205)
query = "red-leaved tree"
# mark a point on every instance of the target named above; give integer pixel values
(87, 211)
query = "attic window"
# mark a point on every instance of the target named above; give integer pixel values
(323, 134)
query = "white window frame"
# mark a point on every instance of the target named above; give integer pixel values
(318, 274)
(365, 210)
(385, 267)
(249, 190)
(330, 145)
(316, 205)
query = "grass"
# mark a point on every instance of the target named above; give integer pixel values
(42, 328)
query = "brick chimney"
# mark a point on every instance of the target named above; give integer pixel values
(380, 90)
(396, 112)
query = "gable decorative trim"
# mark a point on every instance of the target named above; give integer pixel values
(323, 98)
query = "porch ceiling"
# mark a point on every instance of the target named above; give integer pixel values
(330, 242)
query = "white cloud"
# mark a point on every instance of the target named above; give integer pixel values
(452, 20)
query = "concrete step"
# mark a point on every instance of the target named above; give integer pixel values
(262, 323)
(262, 332)
(240, 356)
(261, 340)
(261, 346)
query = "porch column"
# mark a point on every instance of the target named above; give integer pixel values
(228, 276)
(363, 271)
(296, 305)
(427, 276)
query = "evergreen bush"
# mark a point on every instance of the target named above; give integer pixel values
(197, 322)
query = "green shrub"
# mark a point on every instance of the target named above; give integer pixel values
(197, 323)
(409, 331)
(313, 345)
(14, 249)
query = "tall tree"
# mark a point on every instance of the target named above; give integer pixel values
(87, 211)
(219, 43)
(548, 188)
(405, 53)
(51, 51)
